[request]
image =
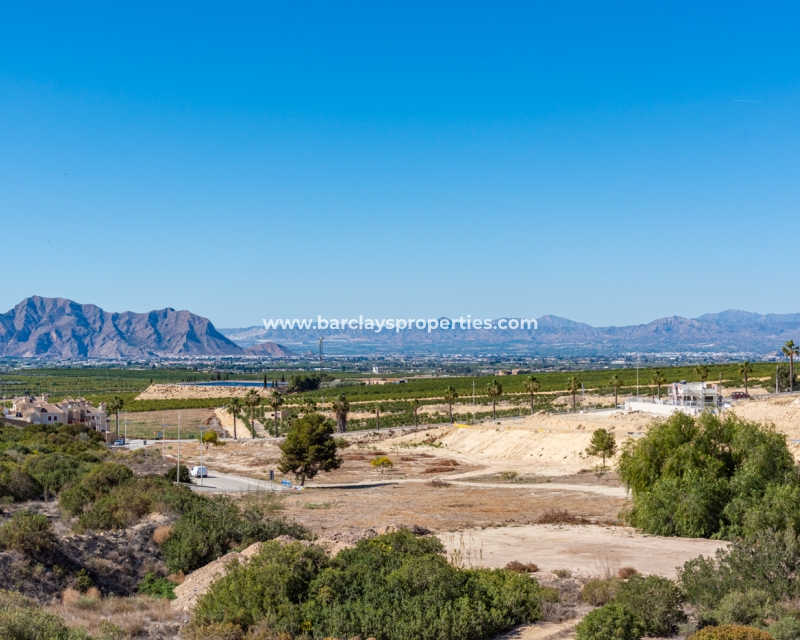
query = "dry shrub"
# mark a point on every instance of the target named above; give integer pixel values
(92, 592)
(599, 592)
(731, 632)
(68, 596)
(560, 516)
(131, 615)
(425, 455)
(438, 469)
(438, 483)
(448, 463)
(213, 631)
(563, 573)
(177, 578)
(520, 567)
(626, 572)
(162, 534)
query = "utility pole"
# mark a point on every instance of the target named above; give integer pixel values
(321, 340)
(178, 468)
(201, 452)
(777, 366)
(637, 379)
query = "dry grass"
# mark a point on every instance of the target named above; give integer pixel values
(626, 572)
(162, 534)
(133, 615)
(520, 567)
(560, 516)
(439, 483)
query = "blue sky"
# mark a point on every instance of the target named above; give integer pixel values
(607, 162)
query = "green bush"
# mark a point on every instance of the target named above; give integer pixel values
(128, 502)
(655, 601)
(702, 477)
(185, 476)
(93, 485)
(785, 628)
(157, 587)
(16, 483)
(609, 622)
(29, 532)
(56, 470)
(395, 587)
(22, 619)
(212, 526)
(730, 632)
(769, 562)
(743, 608)
(599, 592)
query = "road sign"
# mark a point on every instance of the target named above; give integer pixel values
(271, 475)
(286, 483)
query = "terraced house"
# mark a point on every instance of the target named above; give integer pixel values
(39, 410)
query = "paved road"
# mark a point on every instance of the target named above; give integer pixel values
(228, 483)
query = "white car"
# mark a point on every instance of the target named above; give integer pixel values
(198, 472)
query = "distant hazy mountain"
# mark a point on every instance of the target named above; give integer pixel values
(62, 328)
(269, 349)
(728, 331)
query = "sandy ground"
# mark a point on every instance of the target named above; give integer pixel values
(145, 424)
(781, 411)
(586, 550)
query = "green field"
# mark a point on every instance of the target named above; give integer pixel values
(102, 384)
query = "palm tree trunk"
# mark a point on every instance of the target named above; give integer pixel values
(494, 408)
(117, 423)
(234, 427)
(791, 373)
(416, 424)
(531, 404)
(574, 403)
(745, 383)
(451, 413)
(615, 398)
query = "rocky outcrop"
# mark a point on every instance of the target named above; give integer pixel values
(62, 328)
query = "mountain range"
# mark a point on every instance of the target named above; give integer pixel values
(61, 328)
(56, 327)
(729, 331)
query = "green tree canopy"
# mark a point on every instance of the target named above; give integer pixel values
(705, 477)
(602, 445)
(309, 448)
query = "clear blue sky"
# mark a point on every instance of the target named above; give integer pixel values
(607, 162)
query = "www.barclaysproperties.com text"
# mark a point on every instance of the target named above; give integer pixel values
(400, 324)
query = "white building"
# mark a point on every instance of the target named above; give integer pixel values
(69, 411)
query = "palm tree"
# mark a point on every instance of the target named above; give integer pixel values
(252, 401)
(340, 406)
(572, 387)
(309, 405)
(701, 370)
(235, 409)
(790, 350)
(378, 409)
(275, 402)
(494, 389)
(531, 386)
(415, 404)
(450, 396)
(745, 369)
(658, 379)
(616, 383)
(115, 406)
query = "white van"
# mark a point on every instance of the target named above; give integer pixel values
(198, 472)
